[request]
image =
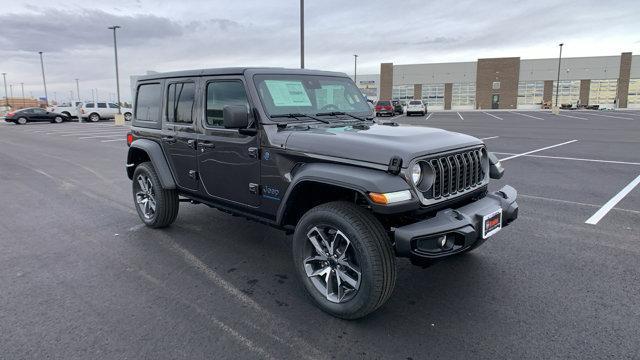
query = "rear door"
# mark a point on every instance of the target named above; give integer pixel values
(103, 110)
(179, 136)
(228, 161)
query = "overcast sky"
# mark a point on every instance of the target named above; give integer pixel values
(189, 34)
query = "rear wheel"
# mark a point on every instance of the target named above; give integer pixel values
(22, 121)
(94, 117)
(344, 258)
(127, 116)
(156, 206)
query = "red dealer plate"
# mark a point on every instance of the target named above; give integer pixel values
(491, 223)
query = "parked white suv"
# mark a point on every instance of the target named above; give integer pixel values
(416, 107)
(103, 110)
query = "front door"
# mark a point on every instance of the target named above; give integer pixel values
(495, 101)
(228, 161)
(178, 133)
(39, 115)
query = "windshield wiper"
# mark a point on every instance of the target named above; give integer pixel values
(335, 113)
(297, 116)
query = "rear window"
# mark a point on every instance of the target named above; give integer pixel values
(415, 103)
(148, 102)
(383, 103)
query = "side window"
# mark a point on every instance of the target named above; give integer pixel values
(222, 93)
(102, 105)
(38, 111)
(148, 102)
(90, 105)
(180, 98)
(112, 106)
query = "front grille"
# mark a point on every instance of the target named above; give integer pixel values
(455, 173)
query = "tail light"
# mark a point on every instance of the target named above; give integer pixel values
(129, 139)
(10, 114)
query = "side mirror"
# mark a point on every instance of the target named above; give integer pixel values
(235, 117)
(495, 167)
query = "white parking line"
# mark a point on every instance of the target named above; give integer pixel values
(573, 202)
(595, 218)
(527, 115)
(575, 117)
(101, 136)
(611, 116)
(429, 116)
(499, 118)
(113, 140)
(574, 159)
(461, 118)
(81, 132)
(490, 137)
(535, 151)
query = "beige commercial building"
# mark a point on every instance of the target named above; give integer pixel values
(513, 83)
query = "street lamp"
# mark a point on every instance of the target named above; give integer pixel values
(301, 34)
(115, 50)
(78, 88)
(44, 80)
(6, 95)
(23, 102)
(355, 68)
(558, 81)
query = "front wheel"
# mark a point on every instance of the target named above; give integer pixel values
(57, 119)
(156, 206)
(344, 258)
(127, 116)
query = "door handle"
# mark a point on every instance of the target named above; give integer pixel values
(169, 139)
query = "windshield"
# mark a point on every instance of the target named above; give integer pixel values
(309, 94)
(415, 103)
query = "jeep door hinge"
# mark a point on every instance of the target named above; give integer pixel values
(254, 188)
(254, 152)
(193, 174)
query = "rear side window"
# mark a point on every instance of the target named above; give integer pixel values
(148, 102)
(102, 105)
(220, 94)
(180, 98)
(90, 105)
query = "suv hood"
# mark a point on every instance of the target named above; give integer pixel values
(377, 143)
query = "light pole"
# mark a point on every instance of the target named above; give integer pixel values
(22, 88)
(6, 95)
(355, 68)
(115, 50)
(558, 81)
(301, 34)
(11, 91)
(44, 80)
(78, 88)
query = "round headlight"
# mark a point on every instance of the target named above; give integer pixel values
(416, 174)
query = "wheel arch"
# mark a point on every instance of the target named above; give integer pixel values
(318, 183)
(142, 150)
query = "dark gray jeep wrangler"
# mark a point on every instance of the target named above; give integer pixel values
(299, 150)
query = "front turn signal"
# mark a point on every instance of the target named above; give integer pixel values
(390, 197)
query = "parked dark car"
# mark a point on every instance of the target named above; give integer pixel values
(397, 107)
(299, 150)
(34, 114)
(384, 107)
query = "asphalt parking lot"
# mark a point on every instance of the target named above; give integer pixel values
(82, 278)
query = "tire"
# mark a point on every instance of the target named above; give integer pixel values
(127, 116)
(22, 121)
(165, 201)
(367, 249)
(67, 114)
(94, 117)
(377, 114)
(57, 120)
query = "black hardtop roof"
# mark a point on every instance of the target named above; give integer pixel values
(237, 71)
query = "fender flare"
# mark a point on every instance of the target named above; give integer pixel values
(360, 179)
(160, 163)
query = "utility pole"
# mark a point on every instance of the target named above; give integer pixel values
(115, 51)
(558, 81)
(355, 68)
(6, 94)
(301, 34)
(78, 89)
(11, 90)
(44, 80)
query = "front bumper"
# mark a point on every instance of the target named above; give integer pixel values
(462, 227)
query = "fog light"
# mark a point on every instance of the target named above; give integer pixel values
(442, 241)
